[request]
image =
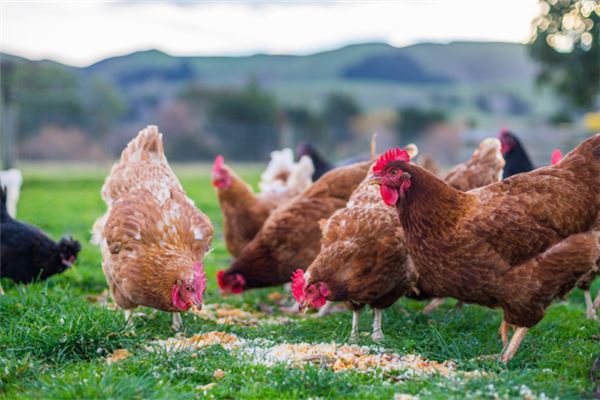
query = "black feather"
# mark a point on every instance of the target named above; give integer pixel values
(27, 253)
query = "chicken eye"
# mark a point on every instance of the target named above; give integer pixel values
(394, 172)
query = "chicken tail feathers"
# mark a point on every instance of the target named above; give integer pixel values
(590, 150)
(147, 145)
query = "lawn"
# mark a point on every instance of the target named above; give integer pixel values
(54, 341)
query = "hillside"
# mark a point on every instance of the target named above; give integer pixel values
(457, 61)
(377, 74)
(480, 84)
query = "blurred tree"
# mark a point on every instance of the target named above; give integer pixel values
(39, 95)
(412, 121)
(244, 121)
(247, 120)
(565, 42)
(338, 112)
(8, 112)
(188, 147)
(46, 94)
(308, 126)
(560, 117)
(104, 106)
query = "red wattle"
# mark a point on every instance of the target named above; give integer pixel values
(176, 300)
(220, 280)
(319, 302)
(298, 286)
(389, 195)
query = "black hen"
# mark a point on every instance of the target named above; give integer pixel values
(321, 165)
(28, 253)
(515, 156)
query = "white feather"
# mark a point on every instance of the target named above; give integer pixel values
(12, 180)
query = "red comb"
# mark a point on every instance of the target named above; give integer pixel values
(504, 131)
(396, 154)
(556, 156)
(220, 281)
(298, 284)
(218, 164)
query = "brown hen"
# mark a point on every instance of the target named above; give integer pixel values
(152, 237)
(289, 238)
(515, 244)
(244, 212)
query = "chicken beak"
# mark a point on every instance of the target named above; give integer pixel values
(374, 179)
(197, 304)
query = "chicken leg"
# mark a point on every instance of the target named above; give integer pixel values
(128, 314)
(177, 322)
(355, 323)
(377, 334)
(503, 332)
(590, 307)
(433, 305)
(509, 352)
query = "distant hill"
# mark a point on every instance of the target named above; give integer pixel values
(465, 77)
(457, 61)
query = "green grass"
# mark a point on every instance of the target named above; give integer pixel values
(53, 342)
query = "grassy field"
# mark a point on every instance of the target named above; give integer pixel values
(54, 341)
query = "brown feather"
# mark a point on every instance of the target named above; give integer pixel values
(515, 244)
(289, 238)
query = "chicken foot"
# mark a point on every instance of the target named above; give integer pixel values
(509, 352)
(377, 334)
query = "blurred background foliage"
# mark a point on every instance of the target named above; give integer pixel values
(566, 44)
(444, 96)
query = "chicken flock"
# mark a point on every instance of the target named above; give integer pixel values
(367, 233)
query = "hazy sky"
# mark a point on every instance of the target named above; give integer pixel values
(82, 32)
